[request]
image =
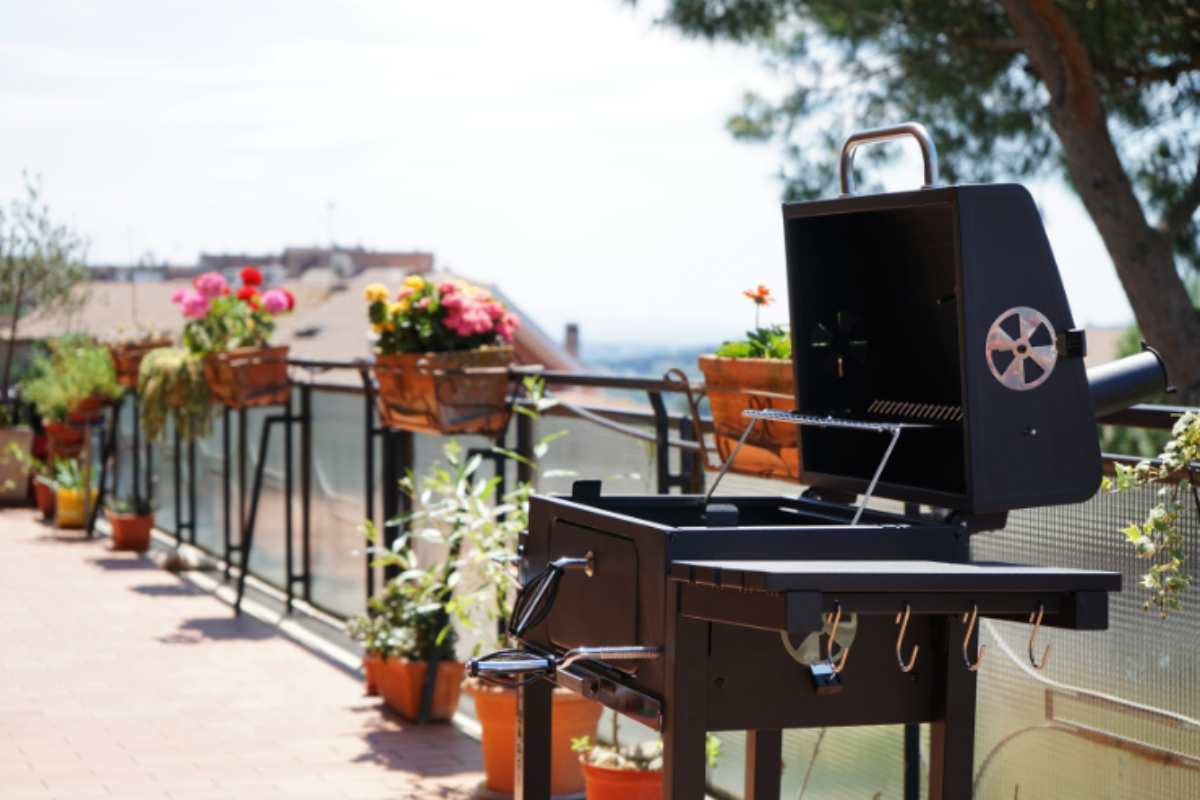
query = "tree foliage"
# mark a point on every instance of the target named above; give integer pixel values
(41, 263)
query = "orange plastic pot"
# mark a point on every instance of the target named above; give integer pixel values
(605, 783)
(400, 682)
(371, 664)
(571, 716)
(130, 531)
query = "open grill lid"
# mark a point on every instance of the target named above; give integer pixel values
(944, 306)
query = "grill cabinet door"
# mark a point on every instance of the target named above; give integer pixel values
(602, 609)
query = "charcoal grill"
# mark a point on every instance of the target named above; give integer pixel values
(936, 363)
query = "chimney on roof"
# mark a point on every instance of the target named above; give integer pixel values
(571, 343)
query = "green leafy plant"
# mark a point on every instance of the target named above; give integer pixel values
(408, 618)
(70, 475)
(1159, 537)
(27, 460)
(68, 371)
(770, 342)
(171, 383)
(130, 505)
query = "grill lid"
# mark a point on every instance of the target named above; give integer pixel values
(941, 306)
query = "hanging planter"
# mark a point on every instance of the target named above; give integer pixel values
(127, 357)
(735, 385)
(87, 410)
(64, 439)
(442, 352)
(754, 373)
(463, 391)
(248, 376)
(231, 331)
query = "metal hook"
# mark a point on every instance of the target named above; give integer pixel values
(836, 619)
(972, 616)
(902, 621)
(1036, 621)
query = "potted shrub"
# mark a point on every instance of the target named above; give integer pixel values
(754, 373)
(414, 630)
(633, 772)
(231, 330)
(172, 384)
(16, 459)
(131, 519)
(442, 352)
(73, 494)
(453, 498)
(69, 385)
(127, 353)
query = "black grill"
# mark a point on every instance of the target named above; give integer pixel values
(937, 363)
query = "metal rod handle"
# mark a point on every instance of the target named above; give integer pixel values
(610, 653)
(913, 129)
(509, 666)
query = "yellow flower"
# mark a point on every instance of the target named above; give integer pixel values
(415, 282)
(375, 326)
(375, 292)
(398, 307)
(390, 327)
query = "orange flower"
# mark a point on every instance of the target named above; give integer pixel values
(761, 296)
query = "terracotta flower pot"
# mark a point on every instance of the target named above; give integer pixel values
(63, 439)
(71, 510)
(400, 682)
(130, 531)
(372, 663)
(463, 391)
(605, 783)
(248, 376)
(735, 385)
(87, 410)
(44, 495)
(128, 357)
(571, 717)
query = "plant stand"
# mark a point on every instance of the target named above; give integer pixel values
(285, 420)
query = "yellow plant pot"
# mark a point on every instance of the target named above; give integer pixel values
(71, 510)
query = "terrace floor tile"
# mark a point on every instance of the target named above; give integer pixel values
(116, 683)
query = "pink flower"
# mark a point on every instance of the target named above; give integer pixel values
(211, 285)
(506, 326)
(194, 304)
(447, 288)
(404, 292)
(177, 296)
(274, 301)
(424, 302)
(453, 302)
(494, 310)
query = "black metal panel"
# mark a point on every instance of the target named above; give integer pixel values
(607, 599)
(1027, 448)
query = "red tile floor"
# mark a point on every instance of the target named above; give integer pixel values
(119, 680)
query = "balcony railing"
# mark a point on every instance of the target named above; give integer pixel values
(1115, 714)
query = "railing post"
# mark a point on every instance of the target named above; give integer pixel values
(525, 434)
(369, 453)
(191, 483)
(177, 466)
(662, 449)
(306, 467)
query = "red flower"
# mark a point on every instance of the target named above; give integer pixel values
(251, 276)
(248, 296)
(291, 298)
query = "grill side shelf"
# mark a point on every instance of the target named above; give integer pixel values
(890, 576)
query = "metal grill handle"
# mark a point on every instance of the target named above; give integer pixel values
(913, 129)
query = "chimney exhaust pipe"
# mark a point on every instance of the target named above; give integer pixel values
(1119, 384)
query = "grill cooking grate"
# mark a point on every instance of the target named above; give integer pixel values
(929, 411)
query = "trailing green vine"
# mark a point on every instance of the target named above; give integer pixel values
(171, 383)
(1159, 538)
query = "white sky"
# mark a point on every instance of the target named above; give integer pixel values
(571, 152)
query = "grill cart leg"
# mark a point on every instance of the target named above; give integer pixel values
(952, 734)
(533, 741)
(684, 720)
(764, 763)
